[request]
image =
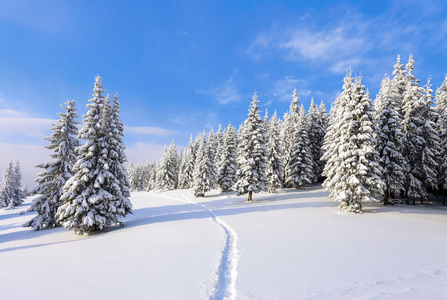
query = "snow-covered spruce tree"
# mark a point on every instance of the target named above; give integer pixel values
(317, 130)
(212, 151)
(431, 150)
(274, 171)
(399, 82)
(187, 167)
(144, 175)
(413, 106)
(219, 147)
(300, 167)
(441, 110)
(152, 179)
(117, 147)
(180, 158)
(51, 181)
(252, 154)
(354, 171)
(93, 198)
(389, 136)
(7, 191)
(227, 160)
(332, 136)
(19, 195)
(133, 176)
(323, 124)
(288, 133)
(202, 176)
(167, 177)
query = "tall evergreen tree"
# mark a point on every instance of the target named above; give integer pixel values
(300, 167)
(252, 154)
(399, 83)
(274, 171)
(7, 191)
(227, 160)
(333, 134)
(441, 110)
(212, 151)
(51, 181)
(203, 169)
(19, 195)
(288, 133)
(152, 179)
(219, 148)
(323, 124)
(117, 148)
(413, 107)
(354, 172)
(389, 137)
(431, 150)
(167, 177)
(187, 167)
(93, 198)
(312, 119)
(132, 171)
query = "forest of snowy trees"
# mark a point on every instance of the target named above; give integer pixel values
(394, 146)
(362, 151)
(264, 154)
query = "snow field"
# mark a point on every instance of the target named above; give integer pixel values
(290, 245)
(167, 250)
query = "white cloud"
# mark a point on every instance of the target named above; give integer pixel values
(25, 126)
(11, 112)
(350, 39)
(157, 131)
(283, 88)
(224, 93)
(324, 44)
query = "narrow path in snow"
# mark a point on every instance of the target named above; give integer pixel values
(225, 285)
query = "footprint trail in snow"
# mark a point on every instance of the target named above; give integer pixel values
(225, 285)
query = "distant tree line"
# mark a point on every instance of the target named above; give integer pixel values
(11, 192)
(362, 151)
(264, 154)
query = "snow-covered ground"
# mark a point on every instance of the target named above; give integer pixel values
(291, 245)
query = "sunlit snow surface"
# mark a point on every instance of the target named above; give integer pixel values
(289, 245)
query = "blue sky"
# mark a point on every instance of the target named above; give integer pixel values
(184, 66)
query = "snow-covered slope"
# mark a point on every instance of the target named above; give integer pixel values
(289, 245)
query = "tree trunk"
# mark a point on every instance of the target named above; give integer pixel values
(443, 196)
(250, 196)
(386, 195)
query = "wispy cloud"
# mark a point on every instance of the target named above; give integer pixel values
(202, 118)
(27, 126)
(6, 112)
(283, 88)
(147, 130)
(350, 40)
(225, 93)
(342, 41)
